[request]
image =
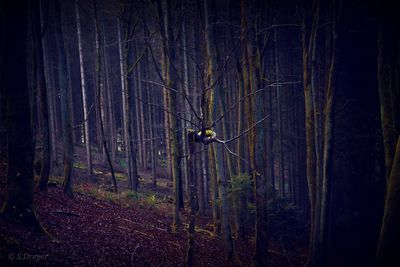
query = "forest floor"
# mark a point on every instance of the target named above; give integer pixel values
(101, 228)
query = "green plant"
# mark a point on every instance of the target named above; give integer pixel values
(123, 164)
(133, 195)
(239, 184)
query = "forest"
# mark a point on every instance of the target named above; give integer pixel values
(200, 133)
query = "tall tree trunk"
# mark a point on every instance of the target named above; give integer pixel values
(386, 76)
(309, 31)
(126, 113)
(216, 155)
(42, 92)
(327, 157)
(207, 108)
(389, 92)
(99, 106)
(68, 144)
(151, 123)
(192, 198)
(252, 81)
(18, 202)
(84, 92)
(139, 115)
(387, 253)
(110, 103)
(184, 107)
(279, 119)
(171, 97)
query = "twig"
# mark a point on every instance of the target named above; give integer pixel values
(242, 159)
(83, 122)
(162, 79)
(348, 101)
(203, 97)
(242, 133)
(274, 84)
(136, 62)
(167, 111)
(133, 253)
(278, 26)
(68, 213)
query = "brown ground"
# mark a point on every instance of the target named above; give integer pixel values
(101, 229)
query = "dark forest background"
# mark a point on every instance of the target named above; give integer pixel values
(274, 121)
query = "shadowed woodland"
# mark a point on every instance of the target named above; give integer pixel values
(199, 133)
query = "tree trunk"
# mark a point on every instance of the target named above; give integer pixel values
(192, 199)
(252, 81)
(99, 106)
(42, 92)
(207, 107)
(18, 202)
(127, 111)
(68, 144)
(110, 103)
(84, 92)
(387, 253)
(309, 31)
(171, 97)
(386, 49)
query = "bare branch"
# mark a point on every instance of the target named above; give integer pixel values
(242, 133)
(348, 101)
(274, 84)
(221, 72)
(136, 62)
(168, 111)
(83, 122)
(162, 79)
(279, 26)
(242, 159)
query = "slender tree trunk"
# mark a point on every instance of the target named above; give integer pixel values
(84, 92)
(139, 116)
(387, 253)
(386, 45)
(207, 107)
(252, 81)
(127, 111)
(110, 103)
(216, 155)
(42, 92)
(99, 106)
(327, 160)
(68, 144)
(151, 124)
(192, 199)
(309, 30)
(279, 102)
(184, 107)
(388, 79)
(169, 57)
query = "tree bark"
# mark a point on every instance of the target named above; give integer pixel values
(99, 106)
(127, 111)
(171, 97)
(192, 199)
(387, 253)
(68, 145)
(42, 92)
(18, 204)
(84, 92)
